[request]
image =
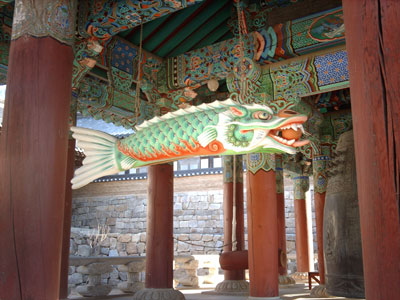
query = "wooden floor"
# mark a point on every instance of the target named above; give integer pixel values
(298, 292)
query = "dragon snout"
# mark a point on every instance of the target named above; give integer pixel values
(287, 113)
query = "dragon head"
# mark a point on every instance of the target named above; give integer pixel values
(255, 128)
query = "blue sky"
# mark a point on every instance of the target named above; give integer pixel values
(2, 91)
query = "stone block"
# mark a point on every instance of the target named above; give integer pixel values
(71, 270)
(135, 238)
(195, 237)
(185, 278)
(178, 213)
(124, 238)
(193, 223)
(189, 213)
(195, 230)
(178, 206)
(113, 252)
(83, 250)
(114, 274)
(140, 248)
(131, 248)
(203, 205)
(211, 223)
(122, 268)
(143, 237)
(75, 278)
(119, 224)
(193, 205)
(137, 266)
(183, 224)
(203, 272)
(215, 206)
(219, 244)
(207, 237)
(123, 275)
(82, 270)
(183, 259)
(99, 268)
(113, 282)
(191, 264)
(105, 242)
(105, 251)
(94, 291)
(183, 247)
(134, 277)
(113, 243)
(121, 208)
(183, 237)
(131, 287)
(121, 246)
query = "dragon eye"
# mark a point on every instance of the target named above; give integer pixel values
(262, 115)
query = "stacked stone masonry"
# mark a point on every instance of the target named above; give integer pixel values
(109, 219)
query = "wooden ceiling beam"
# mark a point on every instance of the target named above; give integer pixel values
(212, 37)
(218, 19)
(191, 26)
(185, 22)
(299, 10)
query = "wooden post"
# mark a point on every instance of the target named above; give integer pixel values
(228, 211)
(33, 150)
(159, 237)
(373, 50)
(301, 185)
(262, 228)
(160, 244)
(234, 280)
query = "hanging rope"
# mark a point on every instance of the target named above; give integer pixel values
(139, 68)
(241, 47)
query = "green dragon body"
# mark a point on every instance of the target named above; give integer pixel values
(219, 128)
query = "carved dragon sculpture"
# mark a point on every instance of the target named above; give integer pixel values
(219, 128)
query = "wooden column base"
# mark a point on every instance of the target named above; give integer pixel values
(148, 293)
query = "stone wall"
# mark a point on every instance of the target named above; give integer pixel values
(121, 208)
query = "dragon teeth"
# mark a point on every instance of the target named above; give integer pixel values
(291, 142)
(294, 126)
(302, 129)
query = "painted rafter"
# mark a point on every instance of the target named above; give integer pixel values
(104, 19)
(5, 2)
(272, 44)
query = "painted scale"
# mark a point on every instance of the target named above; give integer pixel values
(219, 128)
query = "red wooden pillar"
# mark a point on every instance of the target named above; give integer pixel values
(33, 150)
(303, 259)
(159, 237)
(234, 280)
(262, 228)
(320, 185)
(373, 51)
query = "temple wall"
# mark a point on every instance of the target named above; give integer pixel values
(120, 207)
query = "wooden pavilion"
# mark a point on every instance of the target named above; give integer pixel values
(128, 61)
